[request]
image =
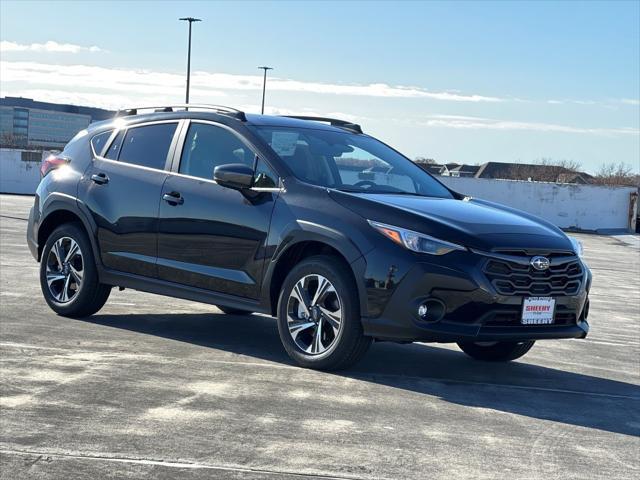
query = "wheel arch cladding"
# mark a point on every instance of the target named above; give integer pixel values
(52, 221)
(293, 255)
(58, 213)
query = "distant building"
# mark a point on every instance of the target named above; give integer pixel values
(504, 170)
(28, 123)
(509, 171)
(464, 171)
(432, 168)
(531, 172)
(447, 167)
(575, 177)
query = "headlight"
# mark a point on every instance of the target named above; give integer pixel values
(418, 242)
(577, 247)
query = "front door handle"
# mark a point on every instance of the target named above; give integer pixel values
(173, 198)
(100, 178)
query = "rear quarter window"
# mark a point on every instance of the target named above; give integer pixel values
(98, 141)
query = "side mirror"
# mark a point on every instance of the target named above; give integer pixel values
(234, 175)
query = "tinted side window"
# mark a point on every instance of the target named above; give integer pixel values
(148, 146)
(208, 146)
(114, 148)
(265, 177)
(98, 141)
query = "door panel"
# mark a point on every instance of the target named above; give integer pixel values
(215, 238)
(125, 210)
(124, 197)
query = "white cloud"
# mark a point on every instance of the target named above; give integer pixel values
(475, 123)
(109, 101)
(573, 101)
(49, 47)
(376, 90)
(117, 88)
(308, 112)
(607, 103)
(136, 86)
(203, 83)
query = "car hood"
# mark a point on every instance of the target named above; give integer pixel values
(473, 223)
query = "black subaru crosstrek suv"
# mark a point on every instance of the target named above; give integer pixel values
(339, 236)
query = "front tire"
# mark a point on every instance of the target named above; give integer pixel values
(68, 274)
(319, 315)
(496, 351)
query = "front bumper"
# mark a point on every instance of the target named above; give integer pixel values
(473, 310)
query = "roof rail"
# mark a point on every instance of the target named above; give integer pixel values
(221, 109)
(332, 121)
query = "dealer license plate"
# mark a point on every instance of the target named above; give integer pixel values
(538, 310)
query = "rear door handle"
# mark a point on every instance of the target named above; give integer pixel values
(100, 178)
(173, 198)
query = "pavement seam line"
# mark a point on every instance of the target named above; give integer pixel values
(176, 464)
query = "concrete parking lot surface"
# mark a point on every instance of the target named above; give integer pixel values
(162, 388)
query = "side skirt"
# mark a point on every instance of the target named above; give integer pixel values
(176, 290)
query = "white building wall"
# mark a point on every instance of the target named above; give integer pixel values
(569, 206)
(16, 175)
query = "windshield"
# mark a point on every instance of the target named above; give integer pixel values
(348, 162)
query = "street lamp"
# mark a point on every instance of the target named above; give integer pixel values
(264, 84)
(190, 20)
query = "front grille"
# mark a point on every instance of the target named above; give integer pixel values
(518, 277)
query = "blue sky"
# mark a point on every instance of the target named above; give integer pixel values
(455, 81)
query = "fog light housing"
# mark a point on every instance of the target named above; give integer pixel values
(431, 310)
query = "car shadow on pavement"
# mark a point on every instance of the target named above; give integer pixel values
(518, 388)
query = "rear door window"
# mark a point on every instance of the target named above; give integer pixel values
(147, 146)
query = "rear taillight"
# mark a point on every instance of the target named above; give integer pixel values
(52, 162)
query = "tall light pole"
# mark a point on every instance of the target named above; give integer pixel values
(264, 85)
(190, 20)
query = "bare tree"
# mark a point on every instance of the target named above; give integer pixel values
(9, 140)
(569, 165)
(617, 174)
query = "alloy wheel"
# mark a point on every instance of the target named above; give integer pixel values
(314, 314)
(64, 269)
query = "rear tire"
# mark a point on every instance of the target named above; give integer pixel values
(233, 311)
(324, 330)
(496, 352)
(68, 273)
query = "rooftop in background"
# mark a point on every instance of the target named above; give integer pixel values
(509, 171)
(535, 172)
(96, 114)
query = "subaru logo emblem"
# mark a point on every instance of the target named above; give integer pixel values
(540, 263)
